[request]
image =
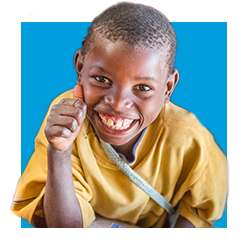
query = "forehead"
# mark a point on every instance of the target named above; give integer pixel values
(123, 59)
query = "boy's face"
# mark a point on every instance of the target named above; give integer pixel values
(124, 90)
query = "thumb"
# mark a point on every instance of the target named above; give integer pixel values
(78, 92)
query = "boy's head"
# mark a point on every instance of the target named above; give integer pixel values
(136, 25)
(126, 70)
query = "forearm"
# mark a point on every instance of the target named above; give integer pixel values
(101, 222)
(61, 207)
(183, 223)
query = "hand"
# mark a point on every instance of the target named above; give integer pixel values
(65, 121)
(102, 222)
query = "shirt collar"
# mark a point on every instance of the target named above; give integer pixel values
(134, 148)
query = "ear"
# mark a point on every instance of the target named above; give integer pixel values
(171, 84)
(78, 61)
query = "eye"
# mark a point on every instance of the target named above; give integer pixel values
(102, 79)
(142, 87)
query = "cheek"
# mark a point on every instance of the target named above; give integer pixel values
(152, 108)
(91, 95)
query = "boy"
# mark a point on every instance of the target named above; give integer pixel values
(125, 81)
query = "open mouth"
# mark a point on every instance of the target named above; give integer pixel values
(115, 123)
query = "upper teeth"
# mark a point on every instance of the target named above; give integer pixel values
(109, 122)
(125, 123)
(118, 124)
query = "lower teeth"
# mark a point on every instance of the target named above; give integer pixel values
(116, 127)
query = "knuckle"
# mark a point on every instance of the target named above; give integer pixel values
(64, 132)
(46, 130)
(84, 107)
(49, 118)
(54, 108)
(73, 124)
(63, 100)
(79, 113)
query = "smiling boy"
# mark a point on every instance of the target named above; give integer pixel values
(125, 81)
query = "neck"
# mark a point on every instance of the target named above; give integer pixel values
(127, 149)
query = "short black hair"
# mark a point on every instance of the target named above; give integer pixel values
(136, 25)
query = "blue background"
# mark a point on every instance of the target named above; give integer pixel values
(47, 70)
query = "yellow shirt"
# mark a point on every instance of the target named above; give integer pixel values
(176, 155)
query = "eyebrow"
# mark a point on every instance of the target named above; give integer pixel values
(145, 78)
(100, 68)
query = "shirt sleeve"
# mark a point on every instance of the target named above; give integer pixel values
(28, 199)
(204, 201)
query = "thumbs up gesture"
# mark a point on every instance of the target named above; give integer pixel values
(65, 120)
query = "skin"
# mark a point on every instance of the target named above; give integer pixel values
(123, 83)
(114, 80)
(61, 207)
(102, 222)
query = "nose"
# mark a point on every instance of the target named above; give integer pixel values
(119, 100)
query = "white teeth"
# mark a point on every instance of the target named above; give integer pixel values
(119, 125)
(110, 123)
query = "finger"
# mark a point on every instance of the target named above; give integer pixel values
(78, 92)
(56, 132)
(66, 121)
(69, 106)
(68, 101)
(78, 112)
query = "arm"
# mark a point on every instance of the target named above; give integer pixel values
(102, 222)
(61, 207)
(183, 223)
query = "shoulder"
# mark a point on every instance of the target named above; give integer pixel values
(173, 114)
(191, 146)
(181, 126)
(184, 136)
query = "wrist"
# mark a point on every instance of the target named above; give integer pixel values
(60, 153)
(58, 159)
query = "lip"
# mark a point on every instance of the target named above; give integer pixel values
(111, 131)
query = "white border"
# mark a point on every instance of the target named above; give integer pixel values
(12, 13)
